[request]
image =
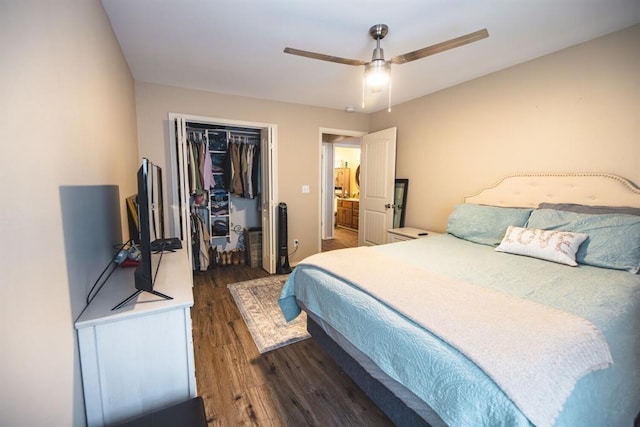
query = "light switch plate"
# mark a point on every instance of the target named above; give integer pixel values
(305, 188)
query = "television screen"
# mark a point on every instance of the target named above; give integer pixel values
(150, 229)
(150, 223)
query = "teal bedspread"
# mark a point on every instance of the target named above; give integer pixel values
(446, 380)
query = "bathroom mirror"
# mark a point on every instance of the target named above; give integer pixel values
(400, 202)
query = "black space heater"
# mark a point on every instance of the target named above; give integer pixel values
(283, 247)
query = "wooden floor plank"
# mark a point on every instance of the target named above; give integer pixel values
(297, 385)
(342, 238)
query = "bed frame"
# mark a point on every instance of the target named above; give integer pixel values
(392, 406)
(528, 191)
(524, 190)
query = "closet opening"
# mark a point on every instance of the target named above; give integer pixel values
(224, 191)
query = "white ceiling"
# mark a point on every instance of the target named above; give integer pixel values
(236, 46)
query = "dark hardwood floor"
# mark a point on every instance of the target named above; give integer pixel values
(297, 385)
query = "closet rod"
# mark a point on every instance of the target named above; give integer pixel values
(255, 132)
(201, 127)
(244, 140)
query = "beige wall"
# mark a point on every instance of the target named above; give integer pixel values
(68, 119)
(298, 143)
(574, 110)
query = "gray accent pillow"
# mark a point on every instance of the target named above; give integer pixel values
(485, 224)
(587, 209)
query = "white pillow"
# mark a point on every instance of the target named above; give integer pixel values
(551, 245)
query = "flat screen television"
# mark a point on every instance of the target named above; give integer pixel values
(150, 239)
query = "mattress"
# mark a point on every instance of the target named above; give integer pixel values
(443, 378)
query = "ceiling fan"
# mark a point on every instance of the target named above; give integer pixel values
(378, 69)
(378, 32)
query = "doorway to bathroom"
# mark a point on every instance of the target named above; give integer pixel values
(340, 190)
(368, 210)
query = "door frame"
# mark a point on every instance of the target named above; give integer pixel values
(326, 197)
(268, 241)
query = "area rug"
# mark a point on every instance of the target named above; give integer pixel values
(257, 301)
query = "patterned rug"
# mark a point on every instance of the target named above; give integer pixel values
(257, 301)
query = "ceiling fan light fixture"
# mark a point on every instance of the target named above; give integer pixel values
(377, 73)
(377, 76)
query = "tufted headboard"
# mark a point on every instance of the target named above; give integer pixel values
(529, 190)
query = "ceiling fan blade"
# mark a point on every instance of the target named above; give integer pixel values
(322, 56)
(441, 47)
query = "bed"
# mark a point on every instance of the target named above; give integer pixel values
(526, 312)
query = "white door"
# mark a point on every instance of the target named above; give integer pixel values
(377, 184)
(328, 194)
(269, 169)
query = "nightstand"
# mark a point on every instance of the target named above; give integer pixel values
(407, 233)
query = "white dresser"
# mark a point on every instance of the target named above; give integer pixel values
(138, 358)
(407, 233)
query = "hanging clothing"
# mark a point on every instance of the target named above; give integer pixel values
(199, 164)
(204, 246)
(190, 167)
(250, 181)
(244, 161)
(242, 167)
(227, 171)
(203, 153)
(236, 160)
(195, 166)
(195, 241)
(207, 175)
(200, 239)
(255, 171)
